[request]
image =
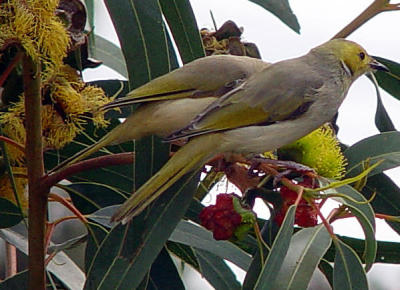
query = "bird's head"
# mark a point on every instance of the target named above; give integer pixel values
(354, 59)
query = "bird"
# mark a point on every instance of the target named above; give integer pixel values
(273, 107)
(171, 101)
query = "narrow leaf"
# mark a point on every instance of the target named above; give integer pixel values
(382, 119)
(60, 265)
(182, 23)
(127, 253)
(110, 54)
(365, 216)
(10, 214)
(389, 81)
(281, 9)
(163, 273)
(195, 236)
(17, 281)
(384, 146)
(388, 252)
(306, 249)
(348, 272)
(216, 271)
(387, 197)
(183, 252)
(278, 252)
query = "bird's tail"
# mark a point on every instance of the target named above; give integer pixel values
(107, 139)
(189, 158)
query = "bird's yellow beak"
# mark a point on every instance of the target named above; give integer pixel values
(375, 65)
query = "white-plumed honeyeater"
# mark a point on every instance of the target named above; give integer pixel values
(268, 108)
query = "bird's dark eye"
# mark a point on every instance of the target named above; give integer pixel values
(362, 55)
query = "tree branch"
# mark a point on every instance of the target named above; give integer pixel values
(372, 10)
(98, 162)
(34, 162)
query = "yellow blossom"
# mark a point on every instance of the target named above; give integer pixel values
(319, 150)
(7, 191)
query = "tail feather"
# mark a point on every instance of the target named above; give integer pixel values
(106, 140)
(189, 158)
(133, 99)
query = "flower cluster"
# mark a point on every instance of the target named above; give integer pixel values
(319, 150)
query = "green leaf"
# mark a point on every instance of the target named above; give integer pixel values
(141, 33)
(348, 272)
(110, 54)
(327, 270)
(89, 197)
(384, 146)
(390, 82)
(388, 252)
(127, 253)
(387, 198)
(182, 23)
(281, 9)
(183, 252)
(60, 265)
(382, 118)
(306, 249)
(10, 214)
(365, 215)
(195, 236)
(18, 281)
(163, 273)
(216, 271)
(278, 251)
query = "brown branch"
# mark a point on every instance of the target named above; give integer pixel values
(11, 260)
(34, 162)
(372, 10)
(10, 67)
(13, 143)
(98, 162)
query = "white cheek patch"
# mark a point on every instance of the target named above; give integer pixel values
(346, 68)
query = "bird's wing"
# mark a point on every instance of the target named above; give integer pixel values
(279, 92)
(211, 76)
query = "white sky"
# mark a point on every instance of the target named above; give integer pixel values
(319, 21)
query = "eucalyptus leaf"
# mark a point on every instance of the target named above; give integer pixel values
(365, 215)
(306, 249)
(60, 265)
(278, 252)
(180, 18)
(384, 146)
(127, 253)
(387, 197)
(190, 234)
(281, 9)
(10, 214)
(163, 273)
(389, 81)
(216, 271)
(348, 272)
(110, 54)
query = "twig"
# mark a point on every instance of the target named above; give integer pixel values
(372, 10)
